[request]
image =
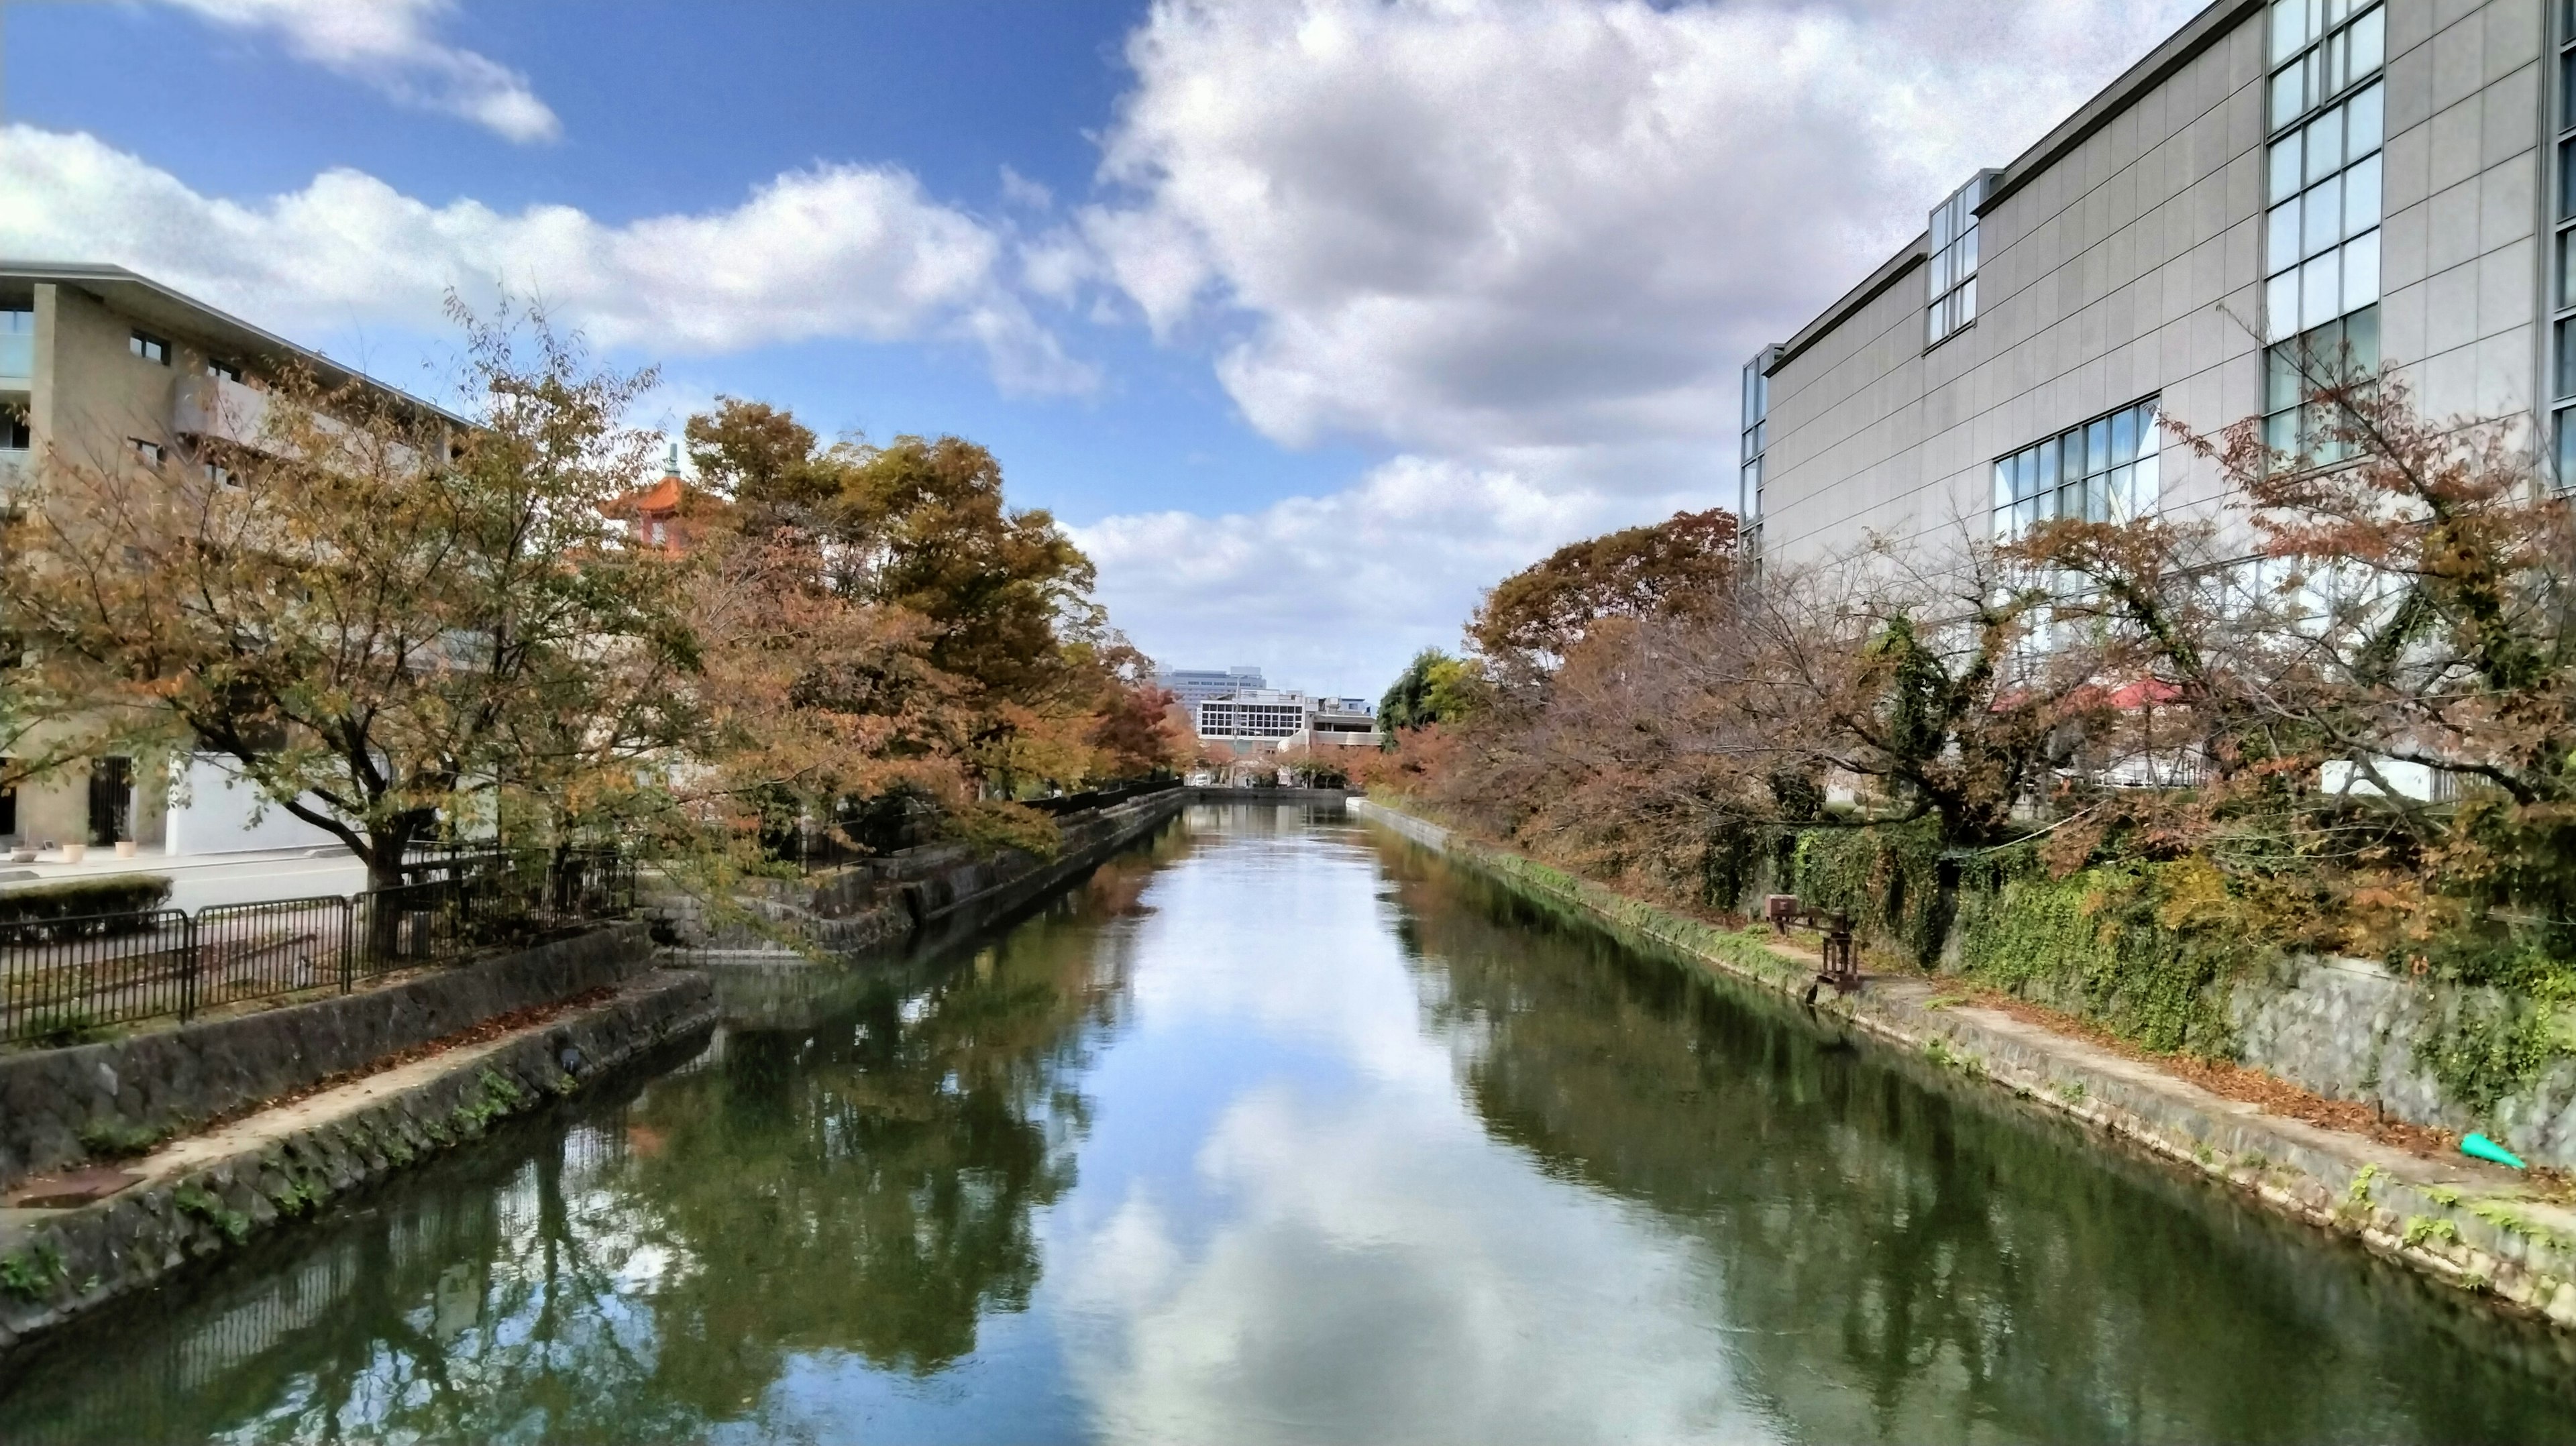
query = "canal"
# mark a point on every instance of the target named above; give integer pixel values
(1278, 1129)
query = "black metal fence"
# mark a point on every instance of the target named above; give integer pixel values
(61, 979)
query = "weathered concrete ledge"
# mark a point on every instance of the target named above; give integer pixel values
(204, 1196)
(2480, 1227)
(168, 1080)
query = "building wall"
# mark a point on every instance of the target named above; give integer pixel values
(2129, 267)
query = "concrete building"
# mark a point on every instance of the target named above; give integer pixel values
(1272, 720)
(1193, 686)
(100, 366)
(2398, 177)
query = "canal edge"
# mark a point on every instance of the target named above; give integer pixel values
(2450, 1223)
(290, 1162)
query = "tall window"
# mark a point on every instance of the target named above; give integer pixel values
(17, 342)
(1757, 436)
(1952, 298)
(2103, 471)
(2562, 255)
(2325, 106)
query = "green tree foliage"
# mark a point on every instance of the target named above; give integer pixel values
(1433, 688)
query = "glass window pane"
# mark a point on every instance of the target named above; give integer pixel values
(2281, 431)
(2566, 179)
(2281, 307)
(2097, 446)
(2567, 268)
(1967, 301)
(2045, 479)
(2325, 144)
(2027, 514)
(2142, 492)
(2567, 89)
(2124, 437)
(2287, 98)
(2566, 447)
(2117, 503)
(2320, 291)
(2321, 212)
(2336, 58)
(2566, 377)
(2362, 121)
(2369, 41)
(2282, 180)
(2289, 28)
(2361, 196)
(2361, 335)
(2004, 479)
(1937, 275)
(2281, 243)
(2361, 270)
(1968, 250)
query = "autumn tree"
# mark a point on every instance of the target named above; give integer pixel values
(1533, 619)
(391, 622)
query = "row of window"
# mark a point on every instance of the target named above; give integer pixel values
(1952, 286)
(2562, 289)
(2321, 238)
(2322, 182)
(2102, 471)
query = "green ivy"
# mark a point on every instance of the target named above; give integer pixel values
(2093, 945)
(206, 1205)
(1887, 879)
(32, 1273)
(2491, 1045)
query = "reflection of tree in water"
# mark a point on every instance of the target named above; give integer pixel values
(1903, 1262)
(866, 1186)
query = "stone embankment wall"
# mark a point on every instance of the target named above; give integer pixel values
(882, 902)
(2468, 1224)
(2351, 1030)
(211, 1196)
(167, 1081)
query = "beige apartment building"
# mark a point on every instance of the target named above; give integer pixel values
(2399, 177)
(102, 367)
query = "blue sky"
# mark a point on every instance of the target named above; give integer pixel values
(1310, 317)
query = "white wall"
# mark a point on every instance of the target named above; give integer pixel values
(210, 813)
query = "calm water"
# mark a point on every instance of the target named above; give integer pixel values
(1279, 1130)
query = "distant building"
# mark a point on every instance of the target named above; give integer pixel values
(670, 515)
(1194, 686)
(1267, 720)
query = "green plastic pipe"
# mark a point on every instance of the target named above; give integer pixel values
(2479, 1147)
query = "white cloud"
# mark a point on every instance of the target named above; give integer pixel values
(389, 45)
(1458, 224)
(1528, 243)
(1382, 1244)
(836, 251)
(1333, 593)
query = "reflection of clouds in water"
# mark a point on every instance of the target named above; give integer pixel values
(1338, 980)
(1384, 1273)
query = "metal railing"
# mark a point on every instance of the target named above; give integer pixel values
(63, 979)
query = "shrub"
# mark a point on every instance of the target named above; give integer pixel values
(78, 908)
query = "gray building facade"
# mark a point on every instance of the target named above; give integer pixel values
(2396, 178)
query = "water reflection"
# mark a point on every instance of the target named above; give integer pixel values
(1276, 1131)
